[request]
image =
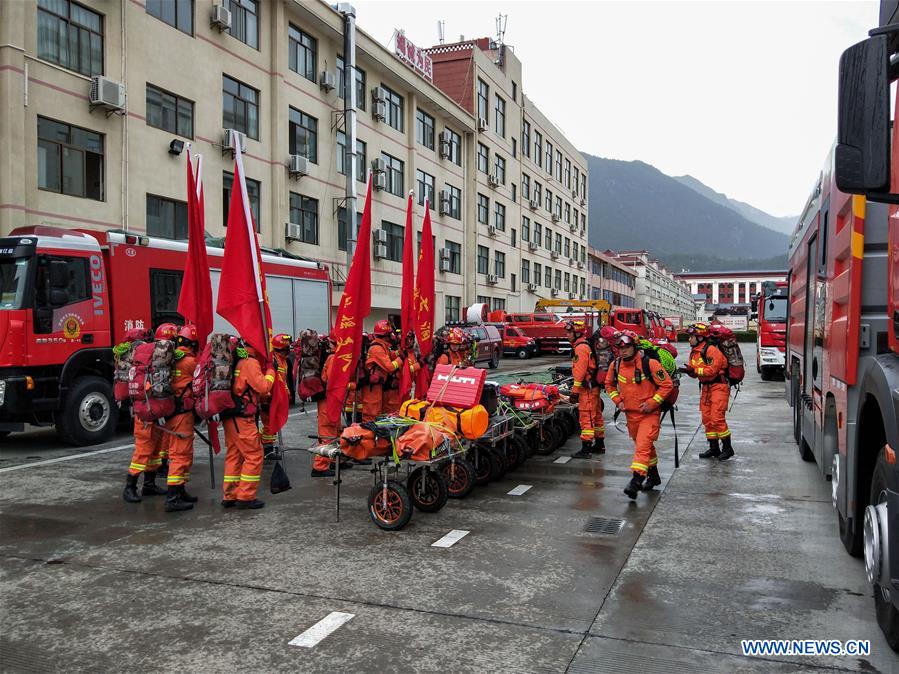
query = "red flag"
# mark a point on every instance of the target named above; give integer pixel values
(424, 288)
(407, 296)
(242, 299)
(195, 300)
(355, 306)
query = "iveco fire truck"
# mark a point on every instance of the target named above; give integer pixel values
(67, 296)
(770, 306)
(843, 322)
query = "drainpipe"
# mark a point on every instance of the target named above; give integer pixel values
(349, 118)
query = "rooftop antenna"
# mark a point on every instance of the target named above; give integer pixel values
(501, 27)
(441, 30)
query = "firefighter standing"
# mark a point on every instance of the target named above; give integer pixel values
(392, 396)
(585, 391)
(280, 348)
(382, 362)
(243, 458)
(454, 355)
(328, 430)
(639, 395)
(709, 365)
(180, 428)
(148, 444)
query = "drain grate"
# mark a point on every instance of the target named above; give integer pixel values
(608, 526)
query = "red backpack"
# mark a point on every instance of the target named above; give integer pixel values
(213, 378)
(150, 380)
(726, 341)
(309, 359)
(124, 355)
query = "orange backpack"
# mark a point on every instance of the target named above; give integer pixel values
(422, 442)
(358, 442)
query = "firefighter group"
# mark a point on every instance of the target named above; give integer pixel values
(638, 376)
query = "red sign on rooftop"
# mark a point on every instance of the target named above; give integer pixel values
(413, 56)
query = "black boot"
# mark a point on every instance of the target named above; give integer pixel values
(187, 497)
(728, 450)
(250, 505)
(712, 451)
(634, 486)
(599, 445)
(585, 452)
(163, 468)
(653, 479)
(130, 492)
(269, 452)
(150, 488)
(173, 500)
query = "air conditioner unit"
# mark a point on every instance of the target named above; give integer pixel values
(380, 252)
(378, 166)
(444, 253)
(379, 236)
(492, 279)
(534, 204)
(580, 265)
(107, 93)
(482, 124)
(533, 245)
(444, 265)
(491, 230)
(379, 181)
(554, 292)
(379, 94)
(292, 232)
(444, 202)
(221, 18)
(570, 261)
(573, 226)
(298, 166)
(583, 202)
(571, 296)
(532, 287)
(328, 81)
(493, 180)
(555, 217)
(446, 148)
(554, 255)
(379, 111)
(574, 194)
(227, 143)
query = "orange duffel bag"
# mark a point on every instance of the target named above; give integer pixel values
(360, 443)
(472, 423)
(422, 442)
(414, 409)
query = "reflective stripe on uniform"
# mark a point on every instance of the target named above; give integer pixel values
(613, 394)
(237, 372)
(654, 461)
(250, 478)
(137, 466)
(270, 377)
(577, 384)
(176, 479)
(725, 434)
(699, 371)
(155, 462)
(659, 399)
(639, 467)
(711, 435)
(622, 378)
(232, 478)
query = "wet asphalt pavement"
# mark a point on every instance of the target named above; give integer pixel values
(719, 553)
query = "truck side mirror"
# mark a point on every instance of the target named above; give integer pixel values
(861, 161)
(59, 274)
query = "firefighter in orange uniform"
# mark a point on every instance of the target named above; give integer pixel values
(280, 348)
(392, 398)
(585, 391)
(180, 427)
(381, 363)
(328, 430)
(455, 340)
(639, 394)
(243, 458)
(709, 365)
(148, 443)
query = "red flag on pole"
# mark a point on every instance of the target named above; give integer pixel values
(407, 296)
(355, 306)
(424, 289)
(195, 300)
(242, 299)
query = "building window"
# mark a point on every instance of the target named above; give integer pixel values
(244, 21)
(254, 188)
(394, 240)
(483, 209)
(342, 233)
(499, 217)
(69, 160)
(549, 201)
(525, 271)
(576, 215)
(483, 260)
(558, 278)
(567, 247)
(498, 304)
(538, 148)
(425, 188)
(525, 186)
(525, 140)
(483, 158)
(360, 157)
(583, 186)
(583, 221)
(360, 84)
(304, 212)
(240, 107)
(500, 121)
(577, 174)
(424, 129)
(455, 257)
(394, 108)
(169, 112)
(525, 228)
(514, 237)
(302, 53)
(303, 139)
(455, 144)
(514, 92)
(71, 36)
(549, 158)
(538, 233)
(567, 212)
(583, 286)
(176, 13)
(548, 241)
(483, 100)
(537, 192)
(558, 243)
(166, 218)
(558, 211)
(455, 204)
(558, 166)
(451, 305)
(396, 179)
(548, 277)
(567, 285)
(514, 192)
(574, 248)
(568, 174)
(499, 169)
(514, 148)
(538, 273)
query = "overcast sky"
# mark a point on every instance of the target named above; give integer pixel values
(741, 95)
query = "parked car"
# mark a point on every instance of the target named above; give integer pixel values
(515, 342)
(490, 344)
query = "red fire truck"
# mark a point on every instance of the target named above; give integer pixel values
(771, 337)
(647, 324)
(68, 296)
(843, 322)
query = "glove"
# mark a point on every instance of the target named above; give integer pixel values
(573, 397)
(646, 407)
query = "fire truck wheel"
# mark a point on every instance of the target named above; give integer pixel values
(459, 475)
(887, 615)
(427, 489)
(389, 506)
(523, 354)
(88, 415)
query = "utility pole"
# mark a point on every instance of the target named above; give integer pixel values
(349, 121)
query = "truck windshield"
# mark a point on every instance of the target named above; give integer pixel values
(13, 274)
(776, 310)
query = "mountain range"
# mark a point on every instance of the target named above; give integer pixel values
(683, 222)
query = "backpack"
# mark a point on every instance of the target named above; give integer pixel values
(603, 359)
(150, 380)
(213, 378)
(665, 360)
(123, 354)
(309, 359)
(728, 345)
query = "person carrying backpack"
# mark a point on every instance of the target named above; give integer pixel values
(180, 426)
(281, 344)
(639, 394)
(328, 429)
(585, 391)
(149, 442)
(406, 355)
(454, 354)
(709, 365)
(382, 361)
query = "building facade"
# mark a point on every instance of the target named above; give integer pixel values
(729, 287)
(611, 281)
(657, 289)
(275, 76)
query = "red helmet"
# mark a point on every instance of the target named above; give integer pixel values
(189, 333)
(720, 331)
(167, 331)
(608, 333)
(698, 329)
(576, 326)
(627, 337)
(382, 328)
(281, 342)
(455, 336)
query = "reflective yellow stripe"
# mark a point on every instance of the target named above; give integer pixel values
(639, 467)
(270, 377)
(858, 205)
(613, 394)
(577, 384)
(232, 478)
(654, 461)
(177, 373)
(237, 372)
(155, 462)
(658, 398)
(724, 434)
(699, 371)
(250, 478)
(711, 436)
(622, 378)
(282, 370)
(587, 431)
(396, 365)
(137, 466)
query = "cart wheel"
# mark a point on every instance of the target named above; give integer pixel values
(389, 506)
(459, 475)
(516, 451)
(548, 438)
(497, 462)
(571, 423)
(561, 434)
(532, 441)
(483, 467)
(427, 489)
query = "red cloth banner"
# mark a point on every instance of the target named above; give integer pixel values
(424, 290)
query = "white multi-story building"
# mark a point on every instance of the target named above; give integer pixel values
(657, 288)
(611, 281)
(729, 287)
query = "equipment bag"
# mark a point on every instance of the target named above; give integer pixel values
(490, 397)
(123, 354)
(308, 363)
(279, 482)
(641, 372)
(457, 386)
(422, 442)
(213, 378)
(414, 409)
(471, 423)
(360, 442)
(736, 365)
(150, 380)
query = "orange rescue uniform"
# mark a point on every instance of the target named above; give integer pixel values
(380, 363)
(450, 357)
(632, 390)
(181, 426)
(243, 458)
(392, 397)
(328, 430)
(583, 369)
(711, 371)
(147, 447)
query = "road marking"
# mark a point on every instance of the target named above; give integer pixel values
(519, 490)
(450, 539)
(321, 629)
(563, 459)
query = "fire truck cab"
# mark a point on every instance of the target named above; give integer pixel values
(770, 306)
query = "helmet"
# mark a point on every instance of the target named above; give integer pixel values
(281, 342)
(188, 336)
(698, 329)
(166, 331)
(455, 336)
(382, 328)
(626, 337)
(608, 333)
(138, 334)
(576, 326)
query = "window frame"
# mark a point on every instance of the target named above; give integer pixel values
(296, 45)
(482, 256)
(359, 78)
(69, 22)
(455, 256)
(294, 125)
(423, 130)
(499, 216)
(393, 173)
(247, 104)
(238, 8)
(252, 184)
(178, 100)
(482, 94)
(499, 264)
(431, 187)
(395, 105)
(178, 15)
(83, 150)
(177, 206)
(499, 112)
(483, 159)
(303, 212)
(394, 240)
(483, 209)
